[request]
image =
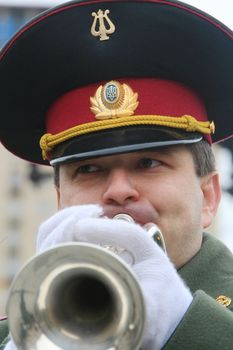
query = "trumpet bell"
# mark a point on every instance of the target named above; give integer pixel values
(76, 296)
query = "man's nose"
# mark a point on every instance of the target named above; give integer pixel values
(120, 188)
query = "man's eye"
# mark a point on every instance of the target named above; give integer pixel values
(86, 169)
(148, 163)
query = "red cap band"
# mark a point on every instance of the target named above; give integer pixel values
(155, 96)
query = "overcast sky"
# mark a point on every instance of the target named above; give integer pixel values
(221, 9)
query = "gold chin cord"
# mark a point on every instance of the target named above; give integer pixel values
(78, 296)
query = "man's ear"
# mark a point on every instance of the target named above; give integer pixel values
(211, 190)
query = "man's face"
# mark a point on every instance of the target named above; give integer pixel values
(151, 186)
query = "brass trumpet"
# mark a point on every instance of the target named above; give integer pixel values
(76, 296)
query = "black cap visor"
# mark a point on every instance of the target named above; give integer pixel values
(120, 140)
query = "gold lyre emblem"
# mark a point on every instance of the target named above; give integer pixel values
(114, 100)
(105, 27)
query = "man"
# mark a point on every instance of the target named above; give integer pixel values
(123, 98)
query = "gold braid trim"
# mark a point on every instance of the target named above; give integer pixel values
(186, 122)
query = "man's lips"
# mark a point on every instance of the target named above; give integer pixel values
(140, 214)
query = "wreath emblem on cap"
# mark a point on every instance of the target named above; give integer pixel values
(114, 100)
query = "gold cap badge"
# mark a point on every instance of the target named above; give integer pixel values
(114, 100)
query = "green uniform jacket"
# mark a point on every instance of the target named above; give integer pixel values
(206, 325)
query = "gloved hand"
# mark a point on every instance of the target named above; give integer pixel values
(166, 296)
(62, 226)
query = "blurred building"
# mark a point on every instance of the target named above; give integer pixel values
(223, 223)
(27, 198)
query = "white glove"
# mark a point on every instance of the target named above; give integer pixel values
(166, 296)
(61, 227)
(10, 346)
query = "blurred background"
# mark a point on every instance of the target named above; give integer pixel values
(26, 190)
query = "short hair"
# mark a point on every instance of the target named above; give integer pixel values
(202, 153)
(203, 157)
